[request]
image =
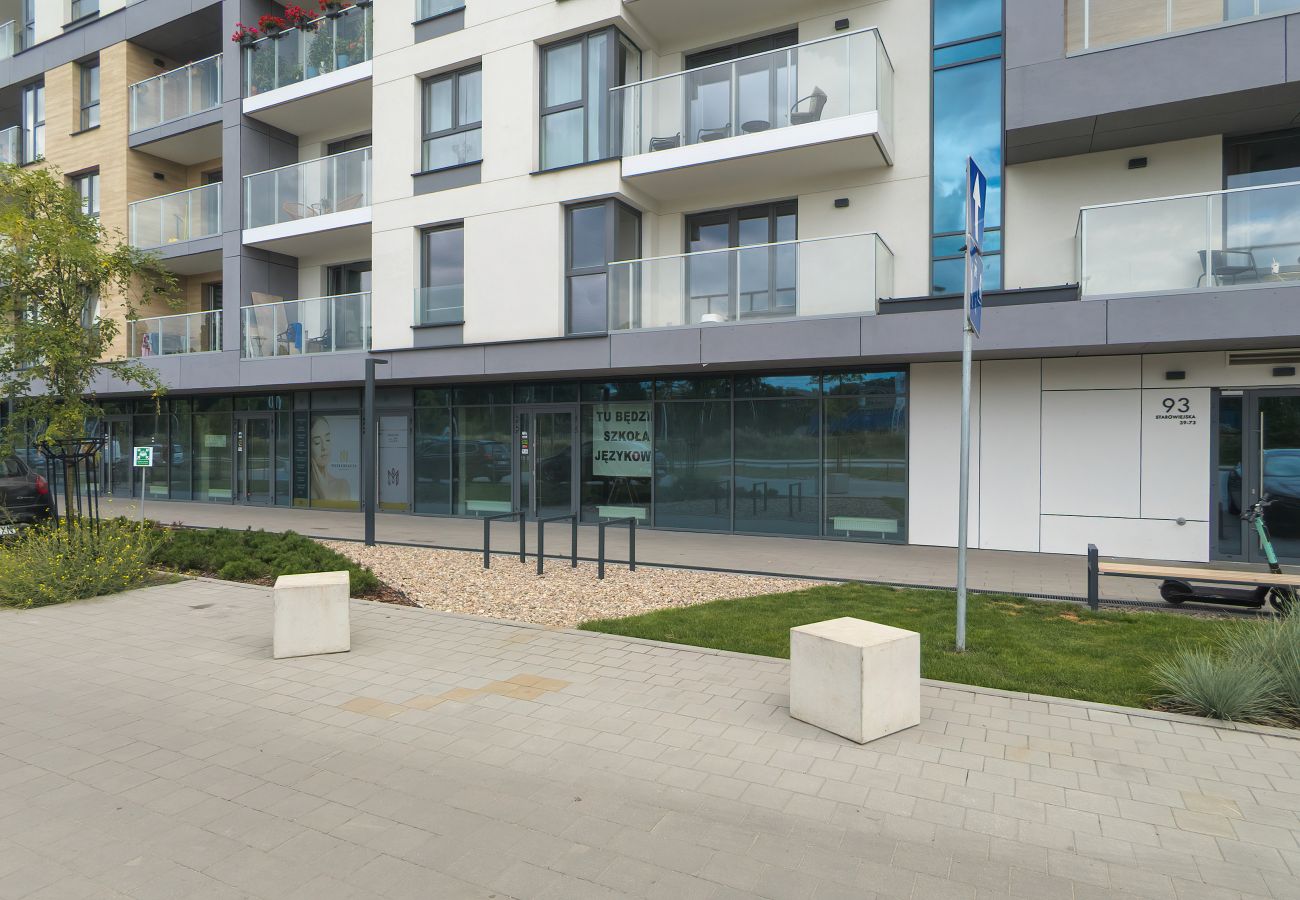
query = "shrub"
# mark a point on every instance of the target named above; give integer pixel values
(1201, 682)
(49, 563)
(259, 556)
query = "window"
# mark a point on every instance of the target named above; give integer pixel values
(967, 111)
(753, 282)
(597, 234)
(83, 8)
(453, 120)
(761, 87)
(29, 25)
(89, 95)
(33, 123)
(441, 299)
(87, 186)
(576, 106)
(430, 9)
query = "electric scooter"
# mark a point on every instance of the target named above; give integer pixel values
(1281, 598)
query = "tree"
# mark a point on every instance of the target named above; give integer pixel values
(56, 261)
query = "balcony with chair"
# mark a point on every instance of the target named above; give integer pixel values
(843, 275)
(304, 327)
(823, 106)
(1238, 239)
(301, 76)
(184, 333)
(177, 115)
(320, 205)
(184, 228)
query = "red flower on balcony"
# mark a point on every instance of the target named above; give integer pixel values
(333, 8)
(297, 17)
(244, 35)
(272, 26)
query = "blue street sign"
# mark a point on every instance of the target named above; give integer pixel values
(977, 192)
(975, 312)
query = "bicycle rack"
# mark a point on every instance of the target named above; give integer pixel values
(487, 535)
(630, 522)
(541, 540)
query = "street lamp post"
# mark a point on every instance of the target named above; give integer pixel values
(370, 451)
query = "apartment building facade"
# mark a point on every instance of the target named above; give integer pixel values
(700, 264)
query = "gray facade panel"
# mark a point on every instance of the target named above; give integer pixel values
(140, 140)
(189, 248)
(451, 362)
(1035, 31)
(1263, 316)
(806, 339)
(282, 371)
(447, 179)
(646, 350)
(547, 357)
(439, 336)
(428, 29)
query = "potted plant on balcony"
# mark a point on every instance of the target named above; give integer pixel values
(244, 36)
(299, 18)
(364, 3)
(272, 26)
(333, 8)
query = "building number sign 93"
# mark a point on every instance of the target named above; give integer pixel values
(1177, 409)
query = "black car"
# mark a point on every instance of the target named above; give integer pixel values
(24, 496)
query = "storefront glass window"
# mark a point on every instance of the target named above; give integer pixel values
(433, 442)
(1229, 476)
(334, 460)
(777, 453)
(618, 460)
(182, 463)
(213, 462)
(481, 463)
(693, 465)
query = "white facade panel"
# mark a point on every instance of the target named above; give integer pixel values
(1136, 538)
(1092, 451)
(1176, 453)
(1074, 373)
(934, 442)
(1009, 434)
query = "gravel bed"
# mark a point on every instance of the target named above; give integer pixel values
(455, 581)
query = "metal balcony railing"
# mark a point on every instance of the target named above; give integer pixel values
(1243, 237)
(818, 276)
(183, 216)
(176, 94)
(304, 190)
(815, 81)
(293, 327)
(326, 45)
(198, 332)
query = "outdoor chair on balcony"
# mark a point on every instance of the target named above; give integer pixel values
(817, 105)
(352, 201)
(713, 134)
(666, 143)
(1229, 264)
(296, 210)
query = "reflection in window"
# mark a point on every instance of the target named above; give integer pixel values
(90, 95)
(577, 76)
(480, 460)
(433, 460)
(442, 276)
(453, 120)
(777, 478)
(693, 465)
(597, 234)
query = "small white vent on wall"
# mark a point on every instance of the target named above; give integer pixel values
(1264, 358)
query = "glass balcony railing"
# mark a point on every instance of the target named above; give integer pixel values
(318, 187)
(818, 276)
(440, 305)
(10, 35)
(11, 145)
(183, 216)
(176, 94)
(1244, 237)
(427, 9)
(1093, 24)
(326, 45)
(811, 82)
(294, 327)
(198, 332)
(82, 8)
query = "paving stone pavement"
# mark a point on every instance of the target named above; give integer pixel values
(151, 748)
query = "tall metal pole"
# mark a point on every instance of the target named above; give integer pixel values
(370, 451)
(963, 491)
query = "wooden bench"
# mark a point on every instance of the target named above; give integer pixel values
(1098, 568)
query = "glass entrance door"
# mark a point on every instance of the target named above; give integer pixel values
(546, 443)
(1277, 473)
(116, 460)
(255, 459)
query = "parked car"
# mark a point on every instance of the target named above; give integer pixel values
(1281, 482)
(24, 496)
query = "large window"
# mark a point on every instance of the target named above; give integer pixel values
(967, 109)
(87, 185)
(759, 280)
(442, 276)
(596, 235)
(577, 109)
(33, 123)
(89, 95)
(453, 120)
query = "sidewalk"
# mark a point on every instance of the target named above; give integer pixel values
(1043, 574)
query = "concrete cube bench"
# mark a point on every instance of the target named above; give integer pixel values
(856, 679)
(311, 614)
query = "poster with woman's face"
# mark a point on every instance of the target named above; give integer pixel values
(335, 460)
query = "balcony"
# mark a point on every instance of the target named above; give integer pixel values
(11, 37)
(299, 327)
(176, 94)
(821, 107)
(322, 204)
(173, 223)
(1223, 240)
(11, 145)
(198, 332)
(1096, 24)
(317, 73)
(844, 275)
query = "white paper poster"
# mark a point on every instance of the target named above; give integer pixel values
(621, 441)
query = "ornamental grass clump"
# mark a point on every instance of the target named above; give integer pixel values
(1250, 673)
(48, 563)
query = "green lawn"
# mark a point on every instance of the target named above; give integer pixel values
(1060, 649)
